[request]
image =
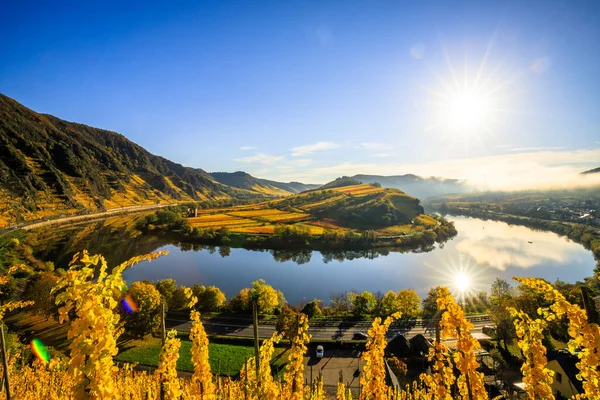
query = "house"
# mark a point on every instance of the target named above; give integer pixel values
(419, 345)
(565, 384)
(398, 346)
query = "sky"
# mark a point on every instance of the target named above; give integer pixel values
(504, 94)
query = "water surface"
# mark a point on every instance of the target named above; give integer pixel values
(482, 249)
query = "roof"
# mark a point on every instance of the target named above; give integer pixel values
(399, 346)
(419, 344)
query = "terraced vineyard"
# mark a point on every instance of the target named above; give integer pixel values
(342, 208)
(262, 220)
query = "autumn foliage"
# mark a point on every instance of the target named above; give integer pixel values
(89, 295)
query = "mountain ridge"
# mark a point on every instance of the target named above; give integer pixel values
(591, 171)
(52, 166)
(243, 180)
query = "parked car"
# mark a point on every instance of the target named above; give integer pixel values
(320, 351)
(360, 336)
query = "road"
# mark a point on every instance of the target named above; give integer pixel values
(77, 218)
(319, 330)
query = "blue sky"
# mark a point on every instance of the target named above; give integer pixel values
(311, 90)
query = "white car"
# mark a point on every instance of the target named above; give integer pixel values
(320, 351)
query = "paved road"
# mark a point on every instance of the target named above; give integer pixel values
(329, 331)
(77, 218)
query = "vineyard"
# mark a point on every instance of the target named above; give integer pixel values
(252, 221)
(90, 299)
(312, 209)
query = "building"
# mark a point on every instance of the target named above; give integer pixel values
(565, 384)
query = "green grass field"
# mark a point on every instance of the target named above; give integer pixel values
(231, 356)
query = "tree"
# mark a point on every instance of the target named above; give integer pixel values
(429, 305)
(288, 322)
(339, 302)
(179, 300)
(363, 303)
(38, 289)
(312, 309)
(241, 303)
(502, 296)
(387, 305)
(500, 292)
(505, 329)
(147, 317)
(408, 303)
(209, 298)
(166, 288)
(266, 298)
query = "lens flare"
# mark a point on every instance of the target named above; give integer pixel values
(39, 349)
(129, 305)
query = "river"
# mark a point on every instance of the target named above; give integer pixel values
(482, 251)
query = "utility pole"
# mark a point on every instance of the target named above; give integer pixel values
(4, 361)
(256, 351)
(163, 330)
(163, 337)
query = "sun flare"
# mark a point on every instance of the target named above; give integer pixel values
(462, 282)
(467, 110)
(470, 103)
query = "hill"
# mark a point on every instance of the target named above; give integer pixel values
(243, 180)
(416, 185)
(51, 166)
(591, 171)
(340, 182)
(356, 206)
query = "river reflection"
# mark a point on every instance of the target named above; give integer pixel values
(483, 249)
(501, 246)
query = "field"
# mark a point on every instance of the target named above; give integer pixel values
(252, 221)
(228, 359)
(311, 209)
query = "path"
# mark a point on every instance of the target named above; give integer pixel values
(77, 218)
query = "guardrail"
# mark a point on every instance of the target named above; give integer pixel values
(327, 323)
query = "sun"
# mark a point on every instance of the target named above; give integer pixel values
(462, 282)
(468, 109)
(470, 103)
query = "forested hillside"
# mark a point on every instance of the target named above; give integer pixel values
(51, 166)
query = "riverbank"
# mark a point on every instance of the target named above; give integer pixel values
(293, 236)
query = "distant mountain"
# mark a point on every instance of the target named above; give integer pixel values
(51, 166)
(244, 180)
(417, 186)
(341, 182)
(293, 187)
(591, 171)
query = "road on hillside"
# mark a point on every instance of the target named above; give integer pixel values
(326, 330)
(75, 218)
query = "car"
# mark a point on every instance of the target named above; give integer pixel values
(320, 351)
(360, 336)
